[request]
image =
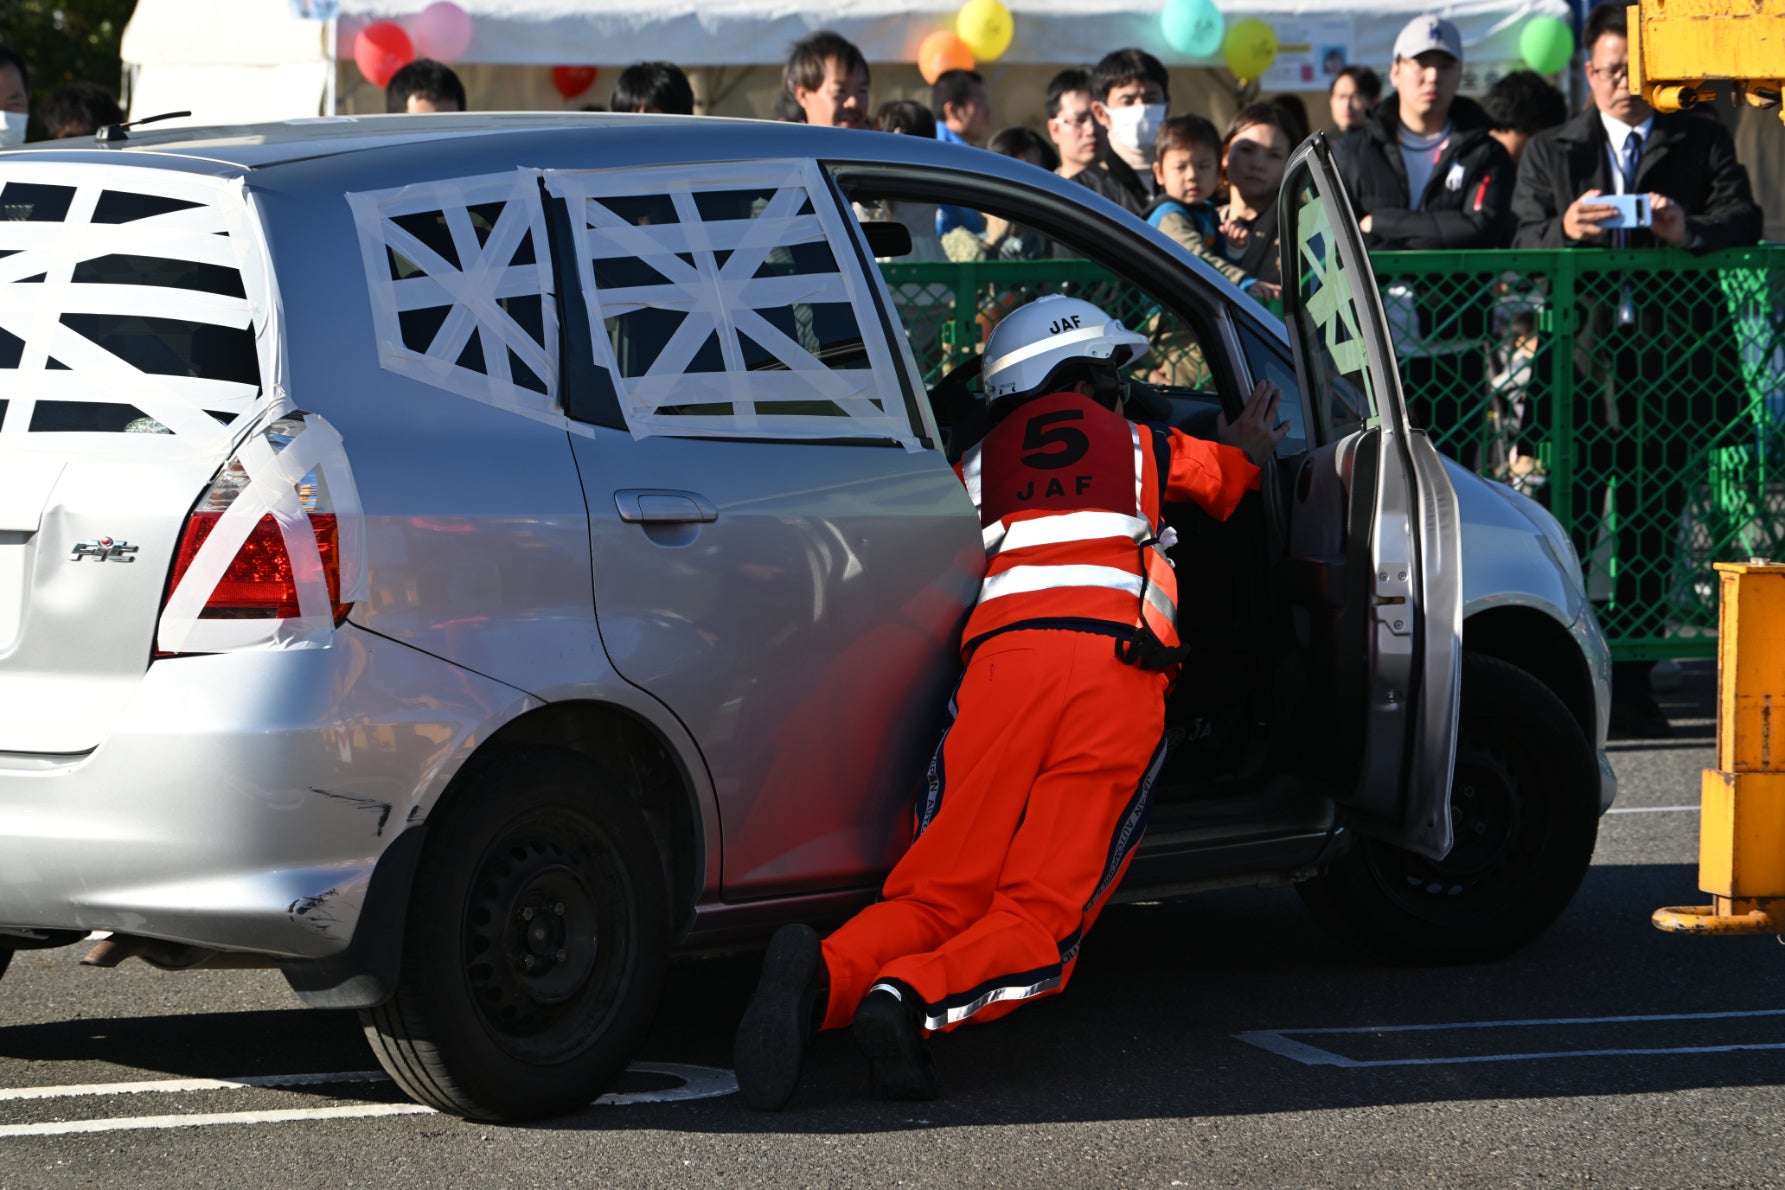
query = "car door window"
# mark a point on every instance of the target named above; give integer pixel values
(1342, 386)
(949, 308)
(948, 312)
(725, 300)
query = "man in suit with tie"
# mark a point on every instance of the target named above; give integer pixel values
(1658, 378)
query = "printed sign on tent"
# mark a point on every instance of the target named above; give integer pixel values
(1310, 51)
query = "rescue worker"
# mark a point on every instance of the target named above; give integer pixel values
(1039, 790)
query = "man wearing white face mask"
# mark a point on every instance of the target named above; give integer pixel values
(15, 97)
(1130, 95)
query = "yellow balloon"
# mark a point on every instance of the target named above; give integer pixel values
(1250, 47)
(986, 28)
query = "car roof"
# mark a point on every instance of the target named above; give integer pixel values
(260, 146)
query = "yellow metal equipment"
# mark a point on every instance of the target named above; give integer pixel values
(1741, 846)
(1677, 46)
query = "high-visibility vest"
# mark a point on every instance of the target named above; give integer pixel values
(1069, 496)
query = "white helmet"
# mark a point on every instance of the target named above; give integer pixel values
(1032, 341)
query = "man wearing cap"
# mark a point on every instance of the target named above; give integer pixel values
(1424, 172)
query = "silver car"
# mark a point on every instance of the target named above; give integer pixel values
(464, 560)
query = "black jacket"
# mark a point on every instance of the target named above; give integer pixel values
(1691, 159)
(1107, 183)
(1467, 203)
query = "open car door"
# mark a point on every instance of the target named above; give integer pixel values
(1405, 536)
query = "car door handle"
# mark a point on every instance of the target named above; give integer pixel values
(663, 506)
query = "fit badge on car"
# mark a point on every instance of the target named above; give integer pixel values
(102, 550)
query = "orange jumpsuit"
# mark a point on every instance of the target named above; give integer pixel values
(1040, 788)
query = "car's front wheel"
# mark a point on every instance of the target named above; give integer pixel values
(1524, 806)
(535, 946)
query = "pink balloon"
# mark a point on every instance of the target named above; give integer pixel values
(442, 31)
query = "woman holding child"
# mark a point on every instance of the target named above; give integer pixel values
(1240, 238)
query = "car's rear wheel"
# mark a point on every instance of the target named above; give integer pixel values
(1524, 813)
(535, 945)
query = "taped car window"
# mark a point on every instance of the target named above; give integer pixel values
(146, 290)
(462, 296)
(719, 307)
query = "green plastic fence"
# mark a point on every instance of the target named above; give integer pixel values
(1640, 395)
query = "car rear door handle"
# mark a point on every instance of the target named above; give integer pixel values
(663, 506)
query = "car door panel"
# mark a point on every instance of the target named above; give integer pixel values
(779, 558)
(1404, 534)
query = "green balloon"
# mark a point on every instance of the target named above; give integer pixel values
(1546, 44)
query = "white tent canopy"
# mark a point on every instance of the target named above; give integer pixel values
(1048, 32)
(757, 32)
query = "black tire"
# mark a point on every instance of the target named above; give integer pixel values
(535, 946)
(1525, 816)
(5, 958)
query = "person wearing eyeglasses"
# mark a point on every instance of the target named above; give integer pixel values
(1660, 386)
(1081, 142)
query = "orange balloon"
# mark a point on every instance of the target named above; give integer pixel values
(942, 51)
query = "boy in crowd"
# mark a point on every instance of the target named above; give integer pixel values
(424, 86)
(827, 78)
(1131, 93)
(1079, 138)
(659, 87)
(1187, 169)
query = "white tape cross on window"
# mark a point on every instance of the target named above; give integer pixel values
(722, 270)
(274, 475)
(58, 273)
(472, 291)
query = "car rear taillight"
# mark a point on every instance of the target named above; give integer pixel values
(260, 581)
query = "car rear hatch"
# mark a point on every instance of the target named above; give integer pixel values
(135, 353)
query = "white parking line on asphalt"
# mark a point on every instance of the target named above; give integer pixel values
(698, 1082)
(1653, 810)
(193, 1084)
(276, 1116)
(1283, 1041)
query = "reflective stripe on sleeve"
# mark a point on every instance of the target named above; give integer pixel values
(1020, 580)
(1064, 527)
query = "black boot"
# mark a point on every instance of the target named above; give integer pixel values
(889, 1029)
(782, 1016)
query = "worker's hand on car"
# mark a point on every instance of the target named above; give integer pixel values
(1582, 218)
(1667, 219)
(1256, 430)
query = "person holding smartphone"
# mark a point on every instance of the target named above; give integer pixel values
(1685, 164)
(1659, 386)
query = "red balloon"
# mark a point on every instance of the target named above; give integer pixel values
(382, 49)
(572, 81)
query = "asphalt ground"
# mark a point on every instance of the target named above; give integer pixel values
(1222, 1041)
